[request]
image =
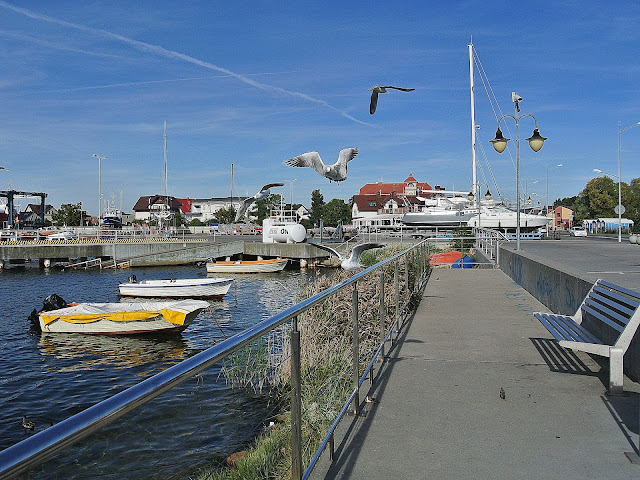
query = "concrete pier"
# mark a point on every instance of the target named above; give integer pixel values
(440, 413)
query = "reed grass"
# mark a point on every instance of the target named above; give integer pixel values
(326, 339)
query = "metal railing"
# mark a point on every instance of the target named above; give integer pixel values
(34, 450)
(488, 241)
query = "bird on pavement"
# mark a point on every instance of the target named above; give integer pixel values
(375, 90)
(353, 261)
(261, 195)
(336, 172)
(502, 394)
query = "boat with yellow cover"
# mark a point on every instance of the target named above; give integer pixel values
(122, 318)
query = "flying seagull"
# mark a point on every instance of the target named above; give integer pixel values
(261, 195)
(336, 172)
(378, 89)
(353, 261)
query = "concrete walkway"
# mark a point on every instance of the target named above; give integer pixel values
(440, 414)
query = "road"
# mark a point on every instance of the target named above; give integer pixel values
(592, 257)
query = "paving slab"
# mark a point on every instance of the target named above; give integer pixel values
(440, 413)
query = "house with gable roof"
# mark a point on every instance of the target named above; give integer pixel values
(382, 205)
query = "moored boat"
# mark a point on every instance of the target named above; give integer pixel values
(247, 266)
(215, 288)
(122, 318)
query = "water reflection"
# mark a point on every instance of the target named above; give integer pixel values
(89, 351)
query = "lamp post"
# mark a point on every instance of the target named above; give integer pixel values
(470, 197)
(620, 130)
(500, 143)
(546, 206)
(99, 185)
(620, 207)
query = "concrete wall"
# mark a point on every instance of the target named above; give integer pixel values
(562, 291)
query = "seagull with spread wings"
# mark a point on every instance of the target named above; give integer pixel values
(336, 172)
(352, 262)
(375, 90)
(261, 195)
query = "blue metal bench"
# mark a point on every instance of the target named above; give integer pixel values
(615, 306)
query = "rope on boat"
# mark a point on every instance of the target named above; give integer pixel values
(217, 323)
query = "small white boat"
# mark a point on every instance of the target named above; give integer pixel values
(247, 266)
(122, 318)
(215, 288)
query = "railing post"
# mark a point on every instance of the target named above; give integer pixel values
(296, 404)
(397, 286)
(382, 322)
(406, 273)
(356, 352)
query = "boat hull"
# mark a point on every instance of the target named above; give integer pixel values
(437, 219)
(254, 266)
(66, 319)
(214, 288)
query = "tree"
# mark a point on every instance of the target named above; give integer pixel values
(225, 215)
(68, 214)
(336, 211)
(196, 222)
(317, 204)
(263, 207)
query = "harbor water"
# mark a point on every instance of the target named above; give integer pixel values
(49, 377)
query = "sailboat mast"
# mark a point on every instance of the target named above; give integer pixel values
(232, 185)
(165, 161)
(474, 187)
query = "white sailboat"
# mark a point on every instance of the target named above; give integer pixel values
(442, 212)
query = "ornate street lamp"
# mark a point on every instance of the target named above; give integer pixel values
(500, 143)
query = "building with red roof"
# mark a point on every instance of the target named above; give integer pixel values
(382, 205)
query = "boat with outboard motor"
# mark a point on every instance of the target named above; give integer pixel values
(116, 318)
(214, 287)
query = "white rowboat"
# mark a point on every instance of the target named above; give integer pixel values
(177, 288)
(122, 318)
(247, 266)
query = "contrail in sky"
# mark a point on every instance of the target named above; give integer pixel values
(158, 50)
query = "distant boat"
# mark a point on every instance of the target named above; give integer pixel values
(247, 266)
(112, 217)
(215, 288)
(122, 318)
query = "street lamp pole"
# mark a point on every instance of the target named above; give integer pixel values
(99, 185)
(546, 206)
(500, 143)
(620, 130)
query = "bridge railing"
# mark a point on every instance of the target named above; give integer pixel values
(401, 277)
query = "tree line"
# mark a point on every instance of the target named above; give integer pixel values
(331, 213)
(599, 198)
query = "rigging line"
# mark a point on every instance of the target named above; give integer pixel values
(493, 178)
(483, 77)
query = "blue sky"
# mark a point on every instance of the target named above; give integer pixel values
(254, 83)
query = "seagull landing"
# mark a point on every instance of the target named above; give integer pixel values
(353, 261)
(261, 195)
(336, 172)
(378, 89)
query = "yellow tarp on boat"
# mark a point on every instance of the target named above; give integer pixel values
(172, 316)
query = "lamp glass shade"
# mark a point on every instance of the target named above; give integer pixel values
(536, 140)
(499, 143)
(487, 195)
(470, 196)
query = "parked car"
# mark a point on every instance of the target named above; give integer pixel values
(578, 232)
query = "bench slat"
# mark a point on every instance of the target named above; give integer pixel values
(565, 328)
(604, 309)
(632, 293)
(602, 318)
(625, 304)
